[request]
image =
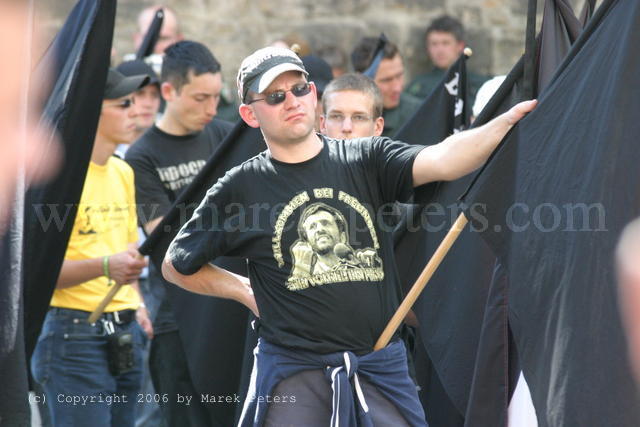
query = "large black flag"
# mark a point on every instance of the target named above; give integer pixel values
(216, 349)
(496, 369)
(557, 193)
(80, 57)
(462, 311)
(75, 67)
(453, 303)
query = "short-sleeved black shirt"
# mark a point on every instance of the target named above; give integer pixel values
(164, 165)
(320, 254)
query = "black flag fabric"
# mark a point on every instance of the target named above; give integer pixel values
(376, 58)
(216, 349)
(496, 368)
(151, 37)
(587, 11)
(75, 68)
(421, 228)
(462, 311)
(80, 57)
(242, 143)
(560, 29)
(554, 198)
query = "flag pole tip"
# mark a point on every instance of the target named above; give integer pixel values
(468, 52)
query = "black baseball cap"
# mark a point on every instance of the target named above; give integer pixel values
(259, 69)
(118, 85)
(138, 67)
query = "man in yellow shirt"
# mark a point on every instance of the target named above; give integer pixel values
(91, 373)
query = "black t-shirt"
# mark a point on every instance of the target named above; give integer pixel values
(320, 253)
(164, 165)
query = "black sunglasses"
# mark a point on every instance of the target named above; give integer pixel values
(274, 98)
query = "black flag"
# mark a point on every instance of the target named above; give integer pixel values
(376, 58)
(239, 145)
(462, 311)
(76, 66)
(557, 193)
(215, 351)
(151, 37)
(453, 301)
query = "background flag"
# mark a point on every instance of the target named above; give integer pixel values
(152, 35)
(75, 69)
(378, 54)
(557, 193)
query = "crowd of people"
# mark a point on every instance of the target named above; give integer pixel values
(321, 276)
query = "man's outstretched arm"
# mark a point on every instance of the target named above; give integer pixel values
(464, 152)
(215, 281)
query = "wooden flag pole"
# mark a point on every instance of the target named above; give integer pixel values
(103, 304)
(421, 282)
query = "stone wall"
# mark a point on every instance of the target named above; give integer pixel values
(234, 28)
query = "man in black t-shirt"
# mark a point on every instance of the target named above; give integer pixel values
(323, 321)
(165, 160)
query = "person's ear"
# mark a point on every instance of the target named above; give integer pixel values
(248, 115)
(323, 121)
(378, 126)
(167, 91)
(314, 90)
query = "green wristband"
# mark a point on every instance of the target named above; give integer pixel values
(105, 269)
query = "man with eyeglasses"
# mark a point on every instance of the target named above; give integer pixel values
(314, 362)
(100, 362)
(165, 161)
(353, 108)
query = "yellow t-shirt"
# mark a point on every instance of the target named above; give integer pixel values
(105, 224)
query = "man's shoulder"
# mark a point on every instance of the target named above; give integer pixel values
(143, 144)
(120, 167)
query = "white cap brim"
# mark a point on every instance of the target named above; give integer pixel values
(267, 78)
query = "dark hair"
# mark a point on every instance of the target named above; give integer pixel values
(362, 54)
(356, 82)
(341, 222)
(184, 57)
(335, 56)
(446, 24)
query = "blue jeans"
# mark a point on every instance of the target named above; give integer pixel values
(70, 362)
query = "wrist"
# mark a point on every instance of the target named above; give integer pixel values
(105, 269)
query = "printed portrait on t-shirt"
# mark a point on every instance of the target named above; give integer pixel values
(323, 252)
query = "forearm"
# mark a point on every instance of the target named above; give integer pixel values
(74, 272)
(462, 153)
(210, 280)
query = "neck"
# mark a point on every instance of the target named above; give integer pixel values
(296, 152)
(168, 124)
(102, 150)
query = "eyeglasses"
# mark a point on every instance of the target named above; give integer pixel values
(355, 119)
(277, 97)
(124, 104)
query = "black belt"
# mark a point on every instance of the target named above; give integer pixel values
(118, 317)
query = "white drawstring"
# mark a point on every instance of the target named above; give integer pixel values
(335, 386)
